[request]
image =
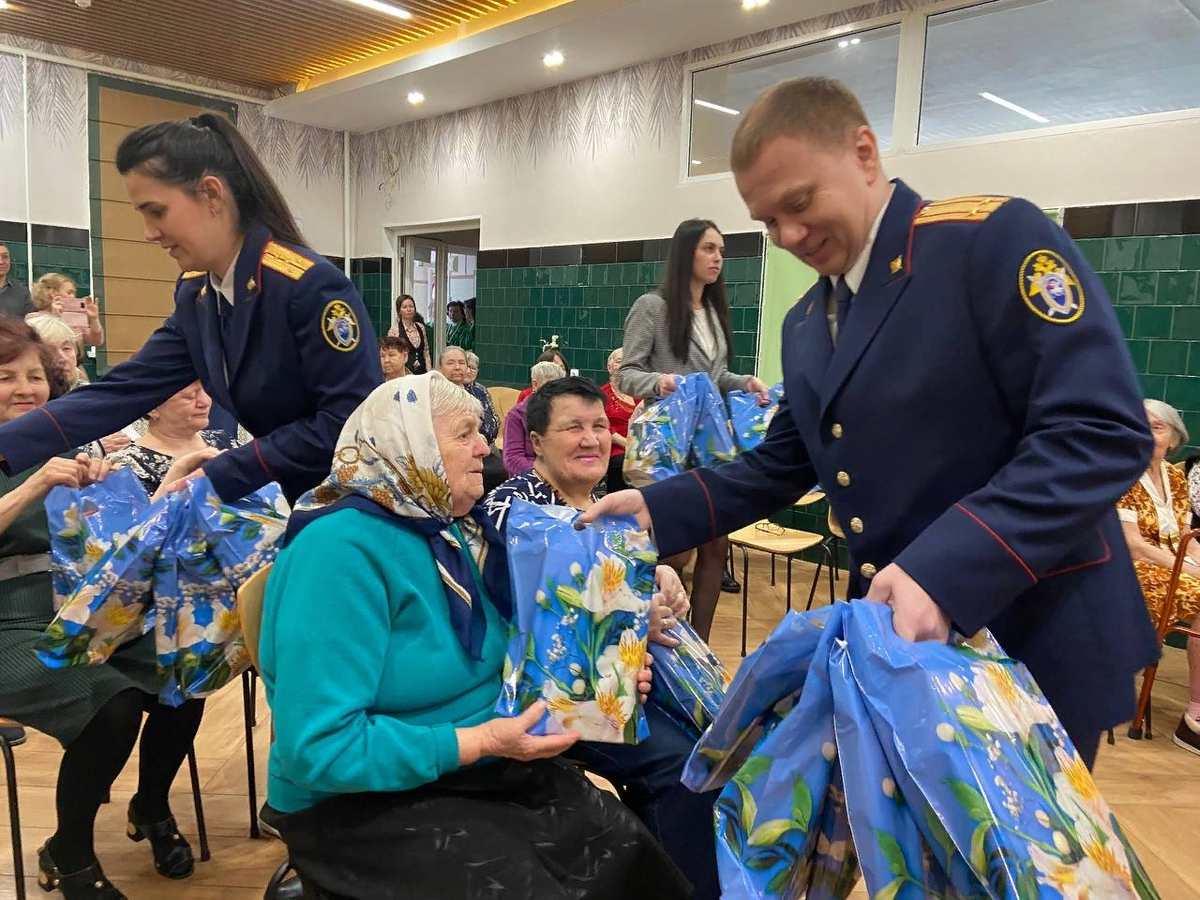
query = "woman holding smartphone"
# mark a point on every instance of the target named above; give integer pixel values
(54, 295)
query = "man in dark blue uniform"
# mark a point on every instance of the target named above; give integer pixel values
(290, 354)
(959, 386)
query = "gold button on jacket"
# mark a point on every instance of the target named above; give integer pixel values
(843, 478)
(867, 570)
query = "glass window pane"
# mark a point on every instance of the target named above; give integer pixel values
(1005, 67)
(865, 62)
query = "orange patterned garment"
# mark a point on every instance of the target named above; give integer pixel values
(1141, 505)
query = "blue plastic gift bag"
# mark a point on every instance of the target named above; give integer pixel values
(763, 691)
(111, 604)
(211, 550)
(582, 600)
(689, 681)
(85, 522)
(994, 778)
(782, 827)
(712, 442)
(751, 421)
(659, 438)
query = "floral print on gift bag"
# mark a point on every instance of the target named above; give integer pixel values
(212, 549)
(582, 600)
(104, 543)
(689, 681)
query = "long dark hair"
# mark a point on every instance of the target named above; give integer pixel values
(676, 289)
(181, 153)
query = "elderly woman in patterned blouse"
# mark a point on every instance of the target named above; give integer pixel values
(1154, 513)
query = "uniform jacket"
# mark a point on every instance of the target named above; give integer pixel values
(976, 422)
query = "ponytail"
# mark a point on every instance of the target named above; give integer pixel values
(183, 152)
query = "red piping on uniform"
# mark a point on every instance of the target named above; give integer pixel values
(50, 416)
(1095, 562)
(712, 515)
(999, 540)
(263, 462)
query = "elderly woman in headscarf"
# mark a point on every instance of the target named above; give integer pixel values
(1154, 513)
(383, 638)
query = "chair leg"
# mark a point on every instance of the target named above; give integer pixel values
(251, 781)
(201, 828)
(14, 817)
(789, 578)
(745, 595)
(1142, 716)
(1112, 739)
(772, 570)
(254, 698)
(836, 574)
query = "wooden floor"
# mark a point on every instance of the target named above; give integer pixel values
(1146, 783)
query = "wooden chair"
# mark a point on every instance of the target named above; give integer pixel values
(1167, 623)
(503, 399)
(776, 540)
(249, 605)
(836, 535)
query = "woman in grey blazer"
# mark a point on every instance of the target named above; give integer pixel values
(680, 329)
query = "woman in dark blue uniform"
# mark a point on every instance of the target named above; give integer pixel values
(274, 332)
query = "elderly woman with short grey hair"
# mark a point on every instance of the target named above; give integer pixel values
(1154, 514)
(390, 769)
(519, 455)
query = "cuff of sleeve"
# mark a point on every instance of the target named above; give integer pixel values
(966, 568)
(446, 743)
(233, 475)
(681, 513)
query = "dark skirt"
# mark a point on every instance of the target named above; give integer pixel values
(59, 702)
(506, 830)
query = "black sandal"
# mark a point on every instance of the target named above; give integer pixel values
(172, 853)
(86, 884)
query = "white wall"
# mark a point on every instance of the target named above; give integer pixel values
(600, 160)
(306, 162)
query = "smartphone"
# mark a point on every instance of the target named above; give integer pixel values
(74, 314)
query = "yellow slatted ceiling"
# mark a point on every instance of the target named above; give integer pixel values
(251, 42)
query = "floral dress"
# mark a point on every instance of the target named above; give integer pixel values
(1161, 520)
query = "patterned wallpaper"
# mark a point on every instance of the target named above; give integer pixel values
(622, 110)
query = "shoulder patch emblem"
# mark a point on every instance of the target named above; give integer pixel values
(1050, 288)
(959, 209)
(339, 326)
(285, 261)
(187, 275)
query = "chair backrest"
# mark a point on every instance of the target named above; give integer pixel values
(249, 605)
(504, 399)
(834, 528)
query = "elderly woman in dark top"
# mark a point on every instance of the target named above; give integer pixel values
(176, 440)
(95, 712)
(455, 364)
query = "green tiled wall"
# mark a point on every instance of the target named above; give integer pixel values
(375, 290)
(1153, 283)
(586, 305)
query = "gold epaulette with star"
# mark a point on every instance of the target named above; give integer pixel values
(959, 209)
(285, 261)
(186, 275)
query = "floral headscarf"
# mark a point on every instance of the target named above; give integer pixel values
(387, 463)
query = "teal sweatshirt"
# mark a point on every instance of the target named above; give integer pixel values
(364, 675)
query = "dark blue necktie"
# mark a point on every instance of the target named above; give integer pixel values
(842, 295)
(225, 313)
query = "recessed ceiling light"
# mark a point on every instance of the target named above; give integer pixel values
(553, 59)
(754, 4)
(415, 97)
(843, 44)
(385, 8)
(1008, 104)
(717, 107)
(696, 162)
(854, 41)
(3, 4)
